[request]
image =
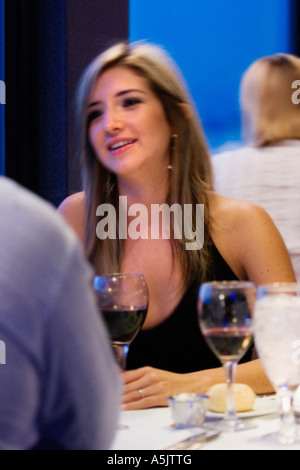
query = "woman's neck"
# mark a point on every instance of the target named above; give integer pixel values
(145, 192)
(136, 203)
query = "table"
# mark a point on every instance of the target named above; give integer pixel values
(152, 429)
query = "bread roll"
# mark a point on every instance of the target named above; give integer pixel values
(244, 397)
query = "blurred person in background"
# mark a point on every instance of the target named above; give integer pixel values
(59, 387)
(267, 170)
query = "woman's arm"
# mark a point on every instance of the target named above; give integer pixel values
(157, 385)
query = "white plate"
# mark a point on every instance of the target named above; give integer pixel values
(262, 406)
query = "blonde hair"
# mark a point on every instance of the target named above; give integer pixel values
(191, 179)
(268, 113)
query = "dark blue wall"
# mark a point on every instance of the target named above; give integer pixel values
(47, 45)
(214, 42)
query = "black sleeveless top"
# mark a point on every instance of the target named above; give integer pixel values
(177, 344)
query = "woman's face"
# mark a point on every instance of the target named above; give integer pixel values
(128, 129)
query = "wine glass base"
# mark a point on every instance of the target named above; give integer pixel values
(123, 426)
(286, 435)
(275, 438)
(231, 425)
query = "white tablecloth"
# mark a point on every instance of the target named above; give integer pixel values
(152, 429)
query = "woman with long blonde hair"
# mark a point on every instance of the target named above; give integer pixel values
(142, 142)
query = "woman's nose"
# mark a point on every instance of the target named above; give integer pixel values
(112, 121)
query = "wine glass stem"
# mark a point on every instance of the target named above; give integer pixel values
(287, 417)
(120, 351)
(230, 368)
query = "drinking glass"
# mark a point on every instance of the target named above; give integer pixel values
(277, 339)
(123, 303)
(225, 320)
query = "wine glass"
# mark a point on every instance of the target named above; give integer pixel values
(225, 320)
(123, 303)
(277, 339)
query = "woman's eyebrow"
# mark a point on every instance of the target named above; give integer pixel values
(123, 92)
(120, 93)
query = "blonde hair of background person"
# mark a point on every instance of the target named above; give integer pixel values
(268, 112)
(242, 232)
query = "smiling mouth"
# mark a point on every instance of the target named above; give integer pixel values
(121, 144)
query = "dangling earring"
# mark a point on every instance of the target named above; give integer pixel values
(173, 141)
(173, 146)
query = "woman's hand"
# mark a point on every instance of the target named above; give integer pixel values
(148, 387)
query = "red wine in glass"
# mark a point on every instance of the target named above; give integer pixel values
(123, 303)
(122, 299)
(123, 323)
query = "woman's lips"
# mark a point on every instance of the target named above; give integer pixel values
(121, 145)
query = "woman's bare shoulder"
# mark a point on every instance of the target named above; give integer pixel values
(241, 220)
(249, 240)
(76, 200)
(228, 213)
(73, 210)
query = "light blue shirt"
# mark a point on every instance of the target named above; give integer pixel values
(60, 387)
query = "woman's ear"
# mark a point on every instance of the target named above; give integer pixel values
(186, 110)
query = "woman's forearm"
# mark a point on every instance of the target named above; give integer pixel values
(250, 373)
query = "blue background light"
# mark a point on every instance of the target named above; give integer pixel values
(213, 43)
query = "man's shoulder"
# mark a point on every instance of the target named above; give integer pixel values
(24, 212)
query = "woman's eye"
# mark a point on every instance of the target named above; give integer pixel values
(128, 102)
(94, 115)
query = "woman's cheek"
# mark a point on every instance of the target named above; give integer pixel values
(96, 142)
